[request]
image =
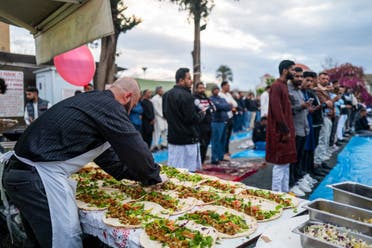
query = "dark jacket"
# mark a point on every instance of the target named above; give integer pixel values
(361, 123)
(259, 133)
(42, 106)
(148, 116)
(222, 107)
(182, 116)
(251, 105)
(317, 116)
(207, 104)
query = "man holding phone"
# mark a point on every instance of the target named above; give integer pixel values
(299, 111)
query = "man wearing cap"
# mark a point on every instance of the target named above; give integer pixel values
(220, 118)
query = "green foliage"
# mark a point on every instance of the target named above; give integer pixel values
(196, 8)
(259, 91)
(121, 22)
(224, 73)
(270, 81)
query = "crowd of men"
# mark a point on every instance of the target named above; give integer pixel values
(187, 123)
(300, 120)
(309, 118)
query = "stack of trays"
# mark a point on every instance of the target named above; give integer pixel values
(353, 194)
(351, 216)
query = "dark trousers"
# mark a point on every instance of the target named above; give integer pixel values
(147, 136)
(25, 190)
(316, 135)
(308, 161)
(333, 131)
(229, 128)
(295, 170)
(205, 138)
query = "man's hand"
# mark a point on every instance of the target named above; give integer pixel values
(305, 105)
(157, 186)
(285, 138)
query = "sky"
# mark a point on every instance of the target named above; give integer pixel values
(249, 36)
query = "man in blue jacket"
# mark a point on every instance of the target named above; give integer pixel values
(219, 120)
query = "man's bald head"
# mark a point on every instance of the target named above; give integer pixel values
(129, 85)
(127, 91)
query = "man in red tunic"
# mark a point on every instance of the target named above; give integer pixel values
(280, 137)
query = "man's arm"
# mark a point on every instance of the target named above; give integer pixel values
(110, 162)
(132, 152)
(188, 110)
(26, 117)
(221, 105)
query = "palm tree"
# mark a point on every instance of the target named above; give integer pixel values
(224, 73)
(198, 10)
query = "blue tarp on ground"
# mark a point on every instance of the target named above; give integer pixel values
(249, 153)
(354, 163)
(240, 136)
(162, 156)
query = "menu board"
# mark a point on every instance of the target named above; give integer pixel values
(12, 102)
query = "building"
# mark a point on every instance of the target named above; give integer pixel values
(368, 81)
(4, 37)
(263, 81)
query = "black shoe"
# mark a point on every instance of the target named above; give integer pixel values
(326, 166)
(319, 172)
(319, 178)
(215, 162)
(155, 149)
(163, 147)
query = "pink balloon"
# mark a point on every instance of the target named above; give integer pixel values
(76, 66)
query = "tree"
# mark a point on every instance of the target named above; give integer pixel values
(270, 81)
(107, 68)
(198, 10)
(224, 73)
(353, 77)
(329, 63)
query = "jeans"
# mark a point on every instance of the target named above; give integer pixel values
(218, 140)
(320, 153)
(340, 127)
(247, 119)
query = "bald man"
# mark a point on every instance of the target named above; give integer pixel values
(94, 126)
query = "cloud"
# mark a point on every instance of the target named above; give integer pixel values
(251, 37)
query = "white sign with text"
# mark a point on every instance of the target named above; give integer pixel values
(12, 102)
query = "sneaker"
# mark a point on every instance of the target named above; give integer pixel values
(297, 191)
(309, 178)
(226, 157)
(304, 186)
(308, 181)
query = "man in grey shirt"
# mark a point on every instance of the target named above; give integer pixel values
(299, 111)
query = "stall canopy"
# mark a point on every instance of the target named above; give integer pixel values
(59, 26)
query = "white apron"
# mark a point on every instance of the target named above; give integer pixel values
(60, 191)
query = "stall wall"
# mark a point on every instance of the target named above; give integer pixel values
(53, 87)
